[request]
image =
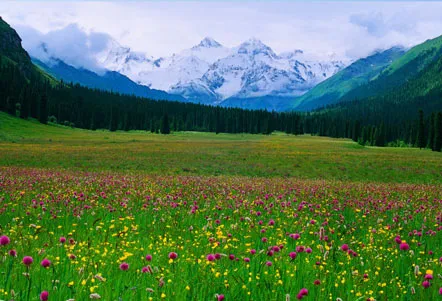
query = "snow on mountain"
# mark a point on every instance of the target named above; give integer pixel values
(254, 69)
(125, 61)
(211, 73)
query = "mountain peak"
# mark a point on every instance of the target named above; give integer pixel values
(254, 41)
(208, 42)
(255, 46)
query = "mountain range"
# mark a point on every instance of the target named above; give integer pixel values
(210, 73)
(250, 75)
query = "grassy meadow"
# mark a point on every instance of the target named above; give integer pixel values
(197, 216)
(31, 144)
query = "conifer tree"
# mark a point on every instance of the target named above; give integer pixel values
(438, 133)
(152, 126)
(165, 127)
(432, 128)
(420, 139)
(113, 122)
(43, 118)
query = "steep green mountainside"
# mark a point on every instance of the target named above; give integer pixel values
(10, 47)
(355, 75)
(12, 52)
(401, 71)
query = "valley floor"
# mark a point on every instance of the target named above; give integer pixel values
(30, 144)
(198, 216)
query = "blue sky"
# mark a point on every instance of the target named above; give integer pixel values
(347, 29)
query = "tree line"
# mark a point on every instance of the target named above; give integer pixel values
(367, 122)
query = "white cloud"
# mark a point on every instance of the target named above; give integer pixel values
(70, 44)
(348, 29)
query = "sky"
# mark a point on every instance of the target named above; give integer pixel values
(348, 30)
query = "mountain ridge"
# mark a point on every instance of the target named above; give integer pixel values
(108, 81)
(210, 73)
(356, 74)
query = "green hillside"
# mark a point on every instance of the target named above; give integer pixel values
(401, 71)
(10, 46)
(427, 52)
(12, 52)
(355, 75)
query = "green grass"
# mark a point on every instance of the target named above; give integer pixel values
(31, 144)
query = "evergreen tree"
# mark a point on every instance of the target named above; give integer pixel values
(165, 127)
(438, 133)
(420, 139)
(10, 105)
(113, 121)
(43, 118)
(380, 137)
(217, 124)
(363, 139)
(355, 133)
(432, 129)
(375, 141)
(25, 103)
(269, 129)
(152, 126)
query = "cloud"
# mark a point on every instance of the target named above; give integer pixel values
(378, 25)
(373, 23)
(71, 44)
(349, 29)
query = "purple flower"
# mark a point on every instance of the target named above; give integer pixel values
(404, 246)
(27, 260)
(124, 266)
(44, 296)
(45, 263)
(4, 240)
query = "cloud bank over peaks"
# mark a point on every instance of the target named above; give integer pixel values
(70, 44)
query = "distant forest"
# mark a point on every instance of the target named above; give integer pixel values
(373, 121)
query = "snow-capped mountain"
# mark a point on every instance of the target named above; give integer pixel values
(211, 73)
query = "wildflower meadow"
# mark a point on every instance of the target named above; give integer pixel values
(71, 235)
